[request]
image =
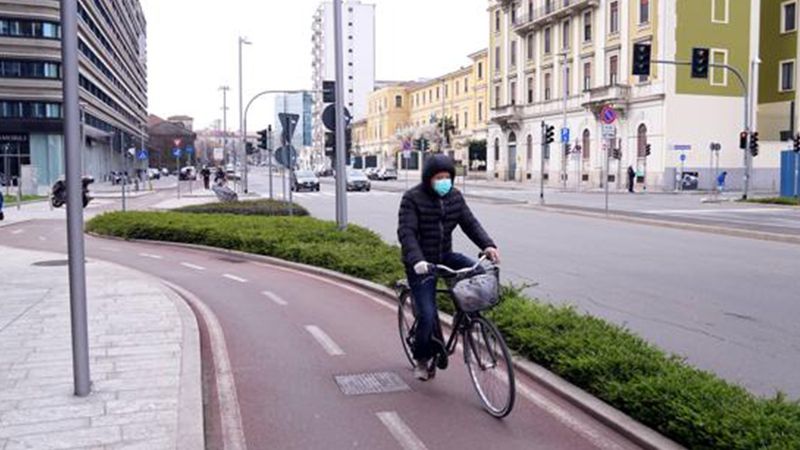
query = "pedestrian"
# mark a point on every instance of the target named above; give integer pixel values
(2, 215)
(206, 173)
(721, 181)
(631, 179)
(219, 176)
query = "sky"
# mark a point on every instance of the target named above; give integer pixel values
(193, 49)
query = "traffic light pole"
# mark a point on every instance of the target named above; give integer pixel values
(341, 154)
(541, 159)
(747, 157)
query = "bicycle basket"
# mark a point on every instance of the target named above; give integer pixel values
(477, 293)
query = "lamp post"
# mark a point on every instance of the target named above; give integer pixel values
(243, 149)
(225, 90)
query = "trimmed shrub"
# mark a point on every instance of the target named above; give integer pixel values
(776, 201)
(263, 207)
(692, 407)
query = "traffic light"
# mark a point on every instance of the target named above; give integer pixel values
(648, 150)
(700, 62)
(642, 54)
(328, 91)
(262, 139)
(330, 140)
(754, 144)
(549, 134)
(249, 149)
(797, 143)
(567, 148)
(616, 153)
(743, 140)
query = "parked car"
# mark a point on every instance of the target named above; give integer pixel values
(305, 180)
(164, 172)
(357, 181)
(153, 174)
(188, 173)
(387, 174)
(325, 173)
(371, 173)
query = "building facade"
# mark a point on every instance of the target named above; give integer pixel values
(563, 62)
(358, 23)
(411, 110)
(778, 107)
(113, 87)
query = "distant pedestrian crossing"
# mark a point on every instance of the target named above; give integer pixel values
(328, 194)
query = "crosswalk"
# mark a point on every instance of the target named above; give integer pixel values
(327, 194)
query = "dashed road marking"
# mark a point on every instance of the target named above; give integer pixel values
(151, 256)
(325, 341)
(18, 231)
(275, 298)
(401, 432)
(193, 266)
(235, 278)
(109, 249)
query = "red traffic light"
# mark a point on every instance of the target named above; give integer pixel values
(743, 140)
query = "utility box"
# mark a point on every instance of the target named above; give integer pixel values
(789, 161)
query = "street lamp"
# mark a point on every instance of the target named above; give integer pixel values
(224, 90)
(242, 147)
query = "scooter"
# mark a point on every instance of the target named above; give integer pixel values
(58, 197)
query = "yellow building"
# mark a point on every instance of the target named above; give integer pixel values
(414, 108)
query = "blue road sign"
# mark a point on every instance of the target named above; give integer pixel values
(565, 135)
(142, 155)
(609, 115)
(190, 150)
(683, 157)
(177, 152)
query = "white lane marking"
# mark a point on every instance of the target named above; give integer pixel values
(231, 415)
(325, 341)
(234, 278)
(109, 249)
(716, 211)
(560, 414)
(151, 256)
(192, 266)
(17, 231)
(401, 432)
(274, 297)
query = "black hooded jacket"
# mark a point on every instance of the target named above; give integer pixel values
(427, 220)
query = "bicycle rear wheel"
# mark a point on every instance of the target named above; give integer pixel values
(407, 324)
(490, 367)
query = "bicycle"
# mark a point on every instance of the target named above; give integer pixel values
(486, 355)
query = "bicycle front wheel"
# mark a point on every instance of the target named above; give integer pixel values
(407, 323)
(490, 367)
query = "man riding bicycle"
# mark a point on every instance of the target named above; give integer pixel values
(429, 213)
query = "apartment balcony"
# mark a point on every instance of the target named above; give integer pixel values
(508, 116)
(617, 95)
(551, 12)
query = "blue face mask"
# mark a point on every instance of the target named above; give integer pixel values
(443, 187)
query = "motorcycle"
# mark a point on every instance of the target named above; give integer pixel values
(58, 197)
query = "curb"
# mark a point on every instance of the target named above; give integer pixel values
(732, 232)
(607, 415)
(11, 224)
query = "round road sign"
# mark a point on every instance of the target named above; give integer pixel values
(609, 115)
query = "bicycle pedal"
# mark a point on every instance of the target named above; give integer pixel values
(442, 362)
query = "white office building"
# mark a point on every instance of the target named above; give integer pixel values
(358, 26)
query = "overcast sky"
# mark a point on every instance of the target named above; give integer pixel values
(192, 49)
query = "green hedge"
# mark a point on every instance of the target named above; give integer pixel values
(776, 201)
(692, 407)
(264, 207)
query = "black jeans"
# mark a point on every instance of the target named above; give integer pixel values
(423, 292)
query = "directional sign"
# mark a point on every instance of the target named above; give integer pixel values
(683, 157)
(609, 115)
(682, 147)
(190, 150)
(329, 117)
(142, 155)
(288, 124)
(286, 156)
(565, 135)
(177, 152)
(609, 131)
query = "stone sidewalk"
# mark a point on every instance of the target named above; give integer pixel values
(145, 360)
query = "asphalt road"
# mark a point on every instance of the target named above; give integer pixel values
(289, 335)
(727, 304)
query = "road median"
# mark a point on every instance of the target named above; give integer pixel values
(693, 408)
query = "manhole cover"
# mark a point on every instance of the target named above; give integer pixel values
(57, 263)
(371, 383)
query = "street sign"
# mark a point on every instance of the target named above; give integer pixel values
(286, 155)
(609, 115)
(682, 147)
(329, 117)
(683, 157)
(406, 154)
(716, 146)
(177, 152)
(177, 142)
(219, 154)
(189, 150)
(564, 135)
(609, 131)
(142, 155)
(289, 125)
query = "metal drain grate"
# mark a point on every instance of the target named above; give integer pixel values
(371, 383)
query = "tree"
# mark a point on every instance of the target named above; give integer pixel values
(449, 129)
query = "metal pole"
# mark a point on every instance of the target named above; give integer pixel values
(269, 152)
(541, 173)
(124, 177)
(225, 90)
(444, 107)
(341, 151)
(796, 174)
(178, 165)
(609, 146)
(565, 89)
(242, 41)
(77, 261)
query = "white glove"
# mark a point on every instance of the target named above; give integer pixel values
(421, 268)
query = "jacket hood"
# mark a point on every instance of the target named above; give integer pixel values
(435, 164)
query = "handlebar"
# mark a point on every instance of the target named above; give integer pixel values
(443, 268)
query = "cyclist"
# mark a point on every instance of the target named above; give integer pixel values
(429, 212)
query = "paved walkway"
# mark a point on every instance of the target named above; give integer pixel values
(145, 360)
